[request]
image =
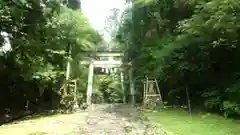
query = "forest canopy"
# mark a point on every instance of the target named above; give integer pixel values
(186, 44)
(40, 34)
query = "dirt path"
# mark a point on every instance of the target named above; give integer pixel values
(97, 120)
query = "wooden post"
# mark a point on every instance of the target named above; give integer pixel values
(158, 90)
(90, 82)
(68, 70)
(132, 87)
(27, 105)
(147, 88)
(144, 91)
(75, 95)
(189, 103)
(151, 90)
(123, 88)
(68, 63)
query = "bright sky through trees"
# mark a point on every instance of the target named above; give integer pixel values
(96, 11)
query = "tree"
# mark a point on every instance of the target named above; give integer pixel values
(39, 33)
(201, 42)
(112, 21)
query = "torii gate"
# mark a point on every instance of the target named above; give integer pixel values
(109, 63)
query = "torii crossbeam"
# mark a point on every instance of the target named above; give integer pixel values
(107, 63)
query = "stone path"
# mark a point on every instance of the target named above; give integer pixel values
(104, 119)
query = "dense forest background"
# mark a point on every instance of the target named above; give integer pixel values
(40, 34)
(189, 45)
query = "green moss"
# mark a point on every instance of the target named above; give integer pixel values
(178, 122)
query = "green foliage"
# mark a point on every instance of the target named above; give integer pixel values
(97, 97)
(111, 89)
(186, 44)
(67, 96)
(40, 34)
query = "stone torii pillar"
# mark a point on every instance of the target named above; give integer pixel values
(123, 87)
(110, 63)
(90, 82)
(132, 88)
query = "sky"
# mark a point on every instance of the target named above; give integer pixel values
(97, 10)
(6, 47)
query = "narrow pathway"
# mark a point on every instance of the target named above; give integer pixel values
(104, 119)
